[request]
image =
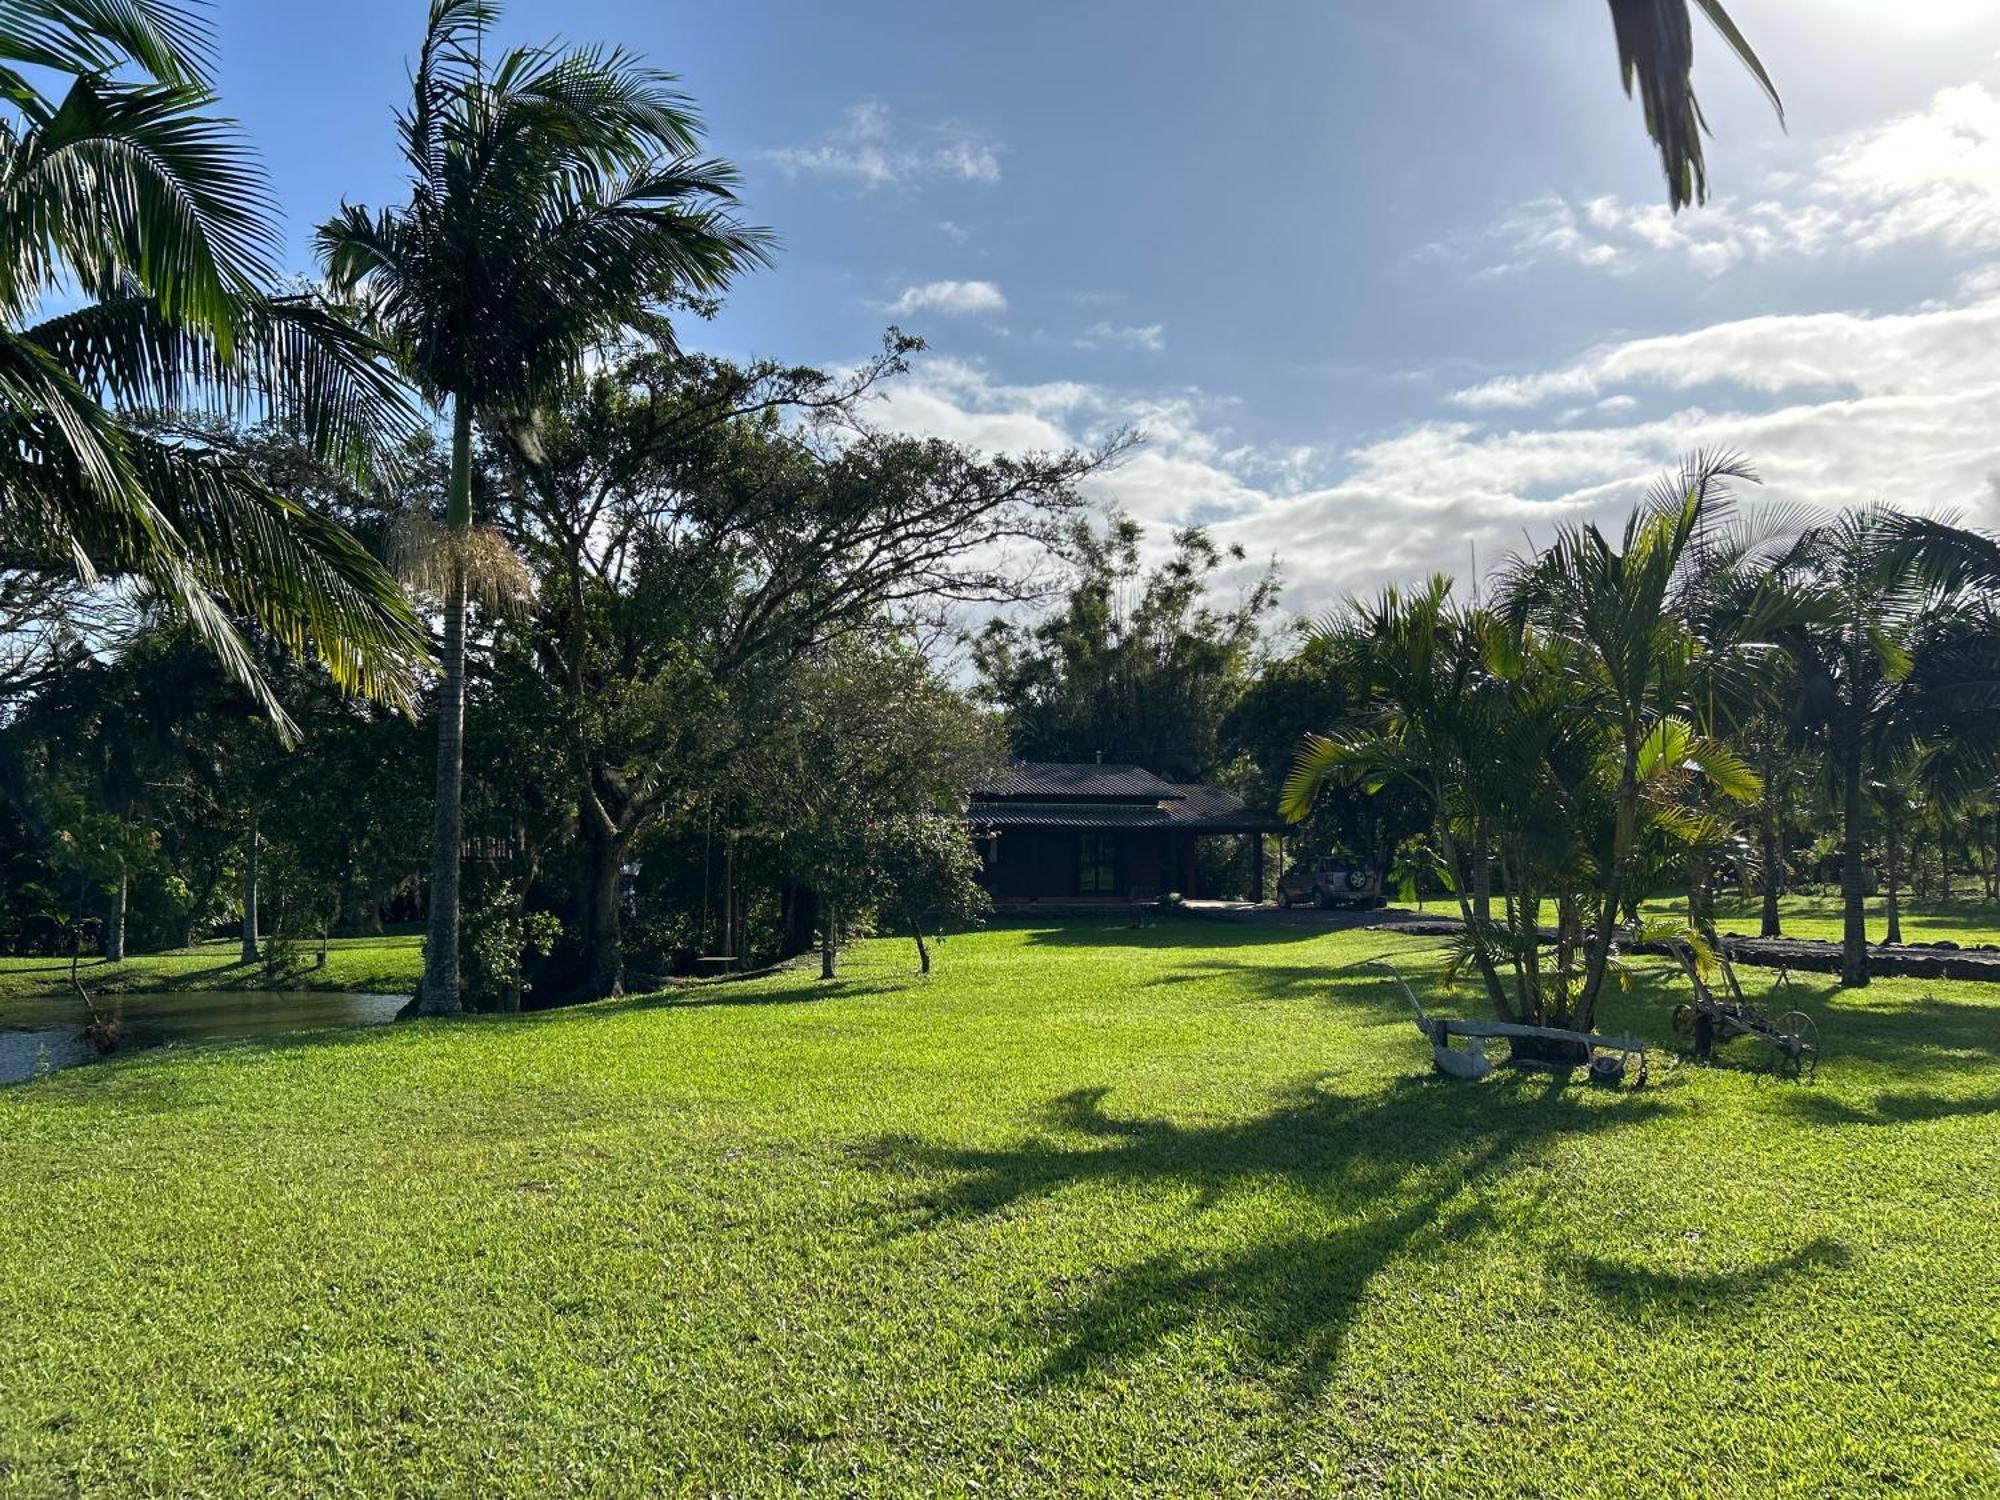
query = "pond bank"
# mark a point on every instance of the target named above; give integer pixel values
(42, 1035)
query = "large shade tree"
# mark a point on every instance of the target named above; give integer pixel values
(136, 265)
(556, 202)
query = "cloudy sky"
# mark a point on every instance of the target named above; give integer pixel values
(1379, 285)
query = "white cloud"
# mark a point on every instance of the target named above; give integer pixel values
(1932, 177)
(956, 299)
(1833, 409)
(1151, 338)
(1937, 351)
(871, 150)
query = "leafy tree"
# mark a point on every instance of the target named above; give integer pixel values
(1136, 665)
(556, 202)
(874, 752)
(130, 206)
(928, 876)
(702, 530)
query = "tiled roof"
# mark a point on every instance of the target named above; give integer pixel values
(1048, 779)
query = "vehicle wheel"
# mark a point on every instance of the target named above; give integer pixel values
(1321, 903)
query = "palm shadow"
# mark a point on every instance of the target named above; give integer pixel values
(1889, 1109)
(1395, 1173)
(1635, 1289)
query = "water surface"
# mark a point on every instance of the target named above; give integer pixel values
(40, 1034)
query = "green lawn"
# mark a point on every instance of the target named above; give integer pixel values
(1964, 920)
(384, 965)
(1097, 1210)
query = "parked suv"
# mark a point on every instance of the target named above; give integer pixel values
(1331, 880)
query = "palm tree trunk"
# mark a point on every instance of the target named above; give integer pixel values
(1892, 873)
(1774, 873)
(1482, 872)
(1624, 830)
(114, 930)
(250, 936)
(438, 994)
(1854, 920)
(1482, 958)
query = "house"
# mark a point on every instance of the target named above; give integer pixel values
(1055, 831)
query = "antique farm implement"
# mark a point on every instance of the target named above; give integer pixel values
(1713, 1017)
(1606, 1056)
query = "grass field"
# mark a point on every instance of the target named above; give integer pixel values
(1964, 920)
(1096, 1210)
(384, 965)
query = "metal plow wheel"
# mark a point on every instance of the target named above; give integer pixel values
(1795, 1045)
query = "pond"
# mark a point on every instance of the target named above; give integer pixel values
(37, 1035)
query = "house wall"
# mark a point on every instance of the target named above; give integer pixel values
(1046, 864)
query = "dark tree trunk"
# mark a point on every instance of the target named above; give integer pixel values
(1774, 875)
(1482, 872)
(251, 943)
(826, 943)
(603, 920)
(438, 994)
(801, 920)
(1892, 875)
(923, 950)
(1854, 918)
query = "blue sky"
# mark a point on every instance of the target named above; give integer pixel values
(1377, 283)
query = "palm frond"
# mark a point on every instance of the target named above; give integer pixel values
(171, 43)
(1656, 57)
(140, 184)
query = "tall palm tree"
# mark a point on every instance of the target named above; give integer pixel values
(556, 204)
(135, 260)
(1656, 54)
(1901, 656)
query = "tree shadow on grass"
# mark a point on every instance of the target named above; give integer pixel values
(1388, 1174)
(1889, 1109)
(1155, 932)
(1635, 1289)
(1926, 1034)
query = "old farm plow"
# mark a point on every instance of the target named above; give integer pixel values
(1716, 1016)
(1606, 1056)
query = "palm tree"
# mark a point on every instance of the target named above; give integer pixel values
(1901, 656)
(1656, 52)
(1508, 727)
(1620, 605)
(556, 204)
(137, 216)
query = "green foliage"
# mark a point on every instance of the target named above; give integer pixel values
(128, 192)
(1139, 665)
(500, 937)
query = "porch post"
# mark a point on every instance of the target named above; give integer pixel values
(1257, 868)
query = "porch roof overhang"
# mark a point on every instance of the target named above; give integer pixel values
(1190, 814)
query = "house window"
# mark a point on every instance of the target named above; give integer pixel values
(1097, 867)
